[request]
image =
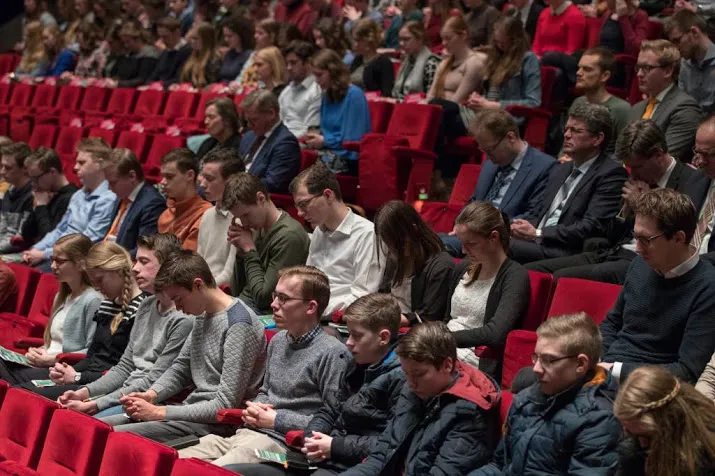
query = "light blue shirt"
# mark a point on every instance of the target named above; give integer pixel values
(698, 79)
(88, 213)
(515, 164)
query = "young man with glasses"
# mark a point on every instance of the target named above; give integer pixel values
(266, 240)
(514, 176)
(676, 112)
(16, 205)
(304, 369)
(343, 244)
(663, 315)
(563, 423)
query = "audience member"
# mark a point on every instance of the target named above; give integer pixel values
(177, 52)
(561, 29)
(265, 35)
(223, 359)
(185, 207)
(662, 315)
(218, 167)
(71, 325)
(408, 12)
(580, 195)
(689, 32)
(671, 426)
(480, 19)
(488, 293)
(222, 124)
(33, 61)
(670, 107)
(138, 205)
(419, 66)
(444, 417)
(642, 148)
(280, 241)
(155, 341)
(238, 36)
(136, 67)
(110, 268)
(571, 406)
(705, 157)
(512, 72)
(90, 210)
(36, 10)
(59, 58)
(298, 13)
(370, 71)
(706, 382)
(344, 115)
(16, 204)
(91, 56)
(8, 288)
(304, 369)
(343, 244)
(341, 436)
(228, 9)
(116, 53)
(204, 63)
(326, 9)
(134, 11)
(328, 34)
(270, 69)
(182, 10)
(528, 12)
(624, 27)
(269, 150)
(435, 16)
(300, 99)
(356, 10)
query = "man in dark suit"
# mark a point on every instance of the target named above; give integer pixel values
(138, 206)
(528, 12)
(642, 147)
(514, 176)
(269, 150)
(670, 107)
(581, 195)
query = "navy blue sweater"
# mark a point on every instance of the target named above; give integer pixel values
(660, 321)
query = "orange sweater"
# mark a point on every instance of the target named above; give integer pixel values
(183, 220)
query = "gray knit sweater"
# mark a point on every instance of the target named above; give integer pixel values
(301, 378)
(154, 343)
(223, 357)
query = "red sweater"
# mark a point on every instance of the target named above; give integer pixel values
(634, 29)
(301, 16)
(565, 32)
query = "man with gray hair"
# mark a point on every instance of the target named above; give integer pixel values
(580, 196)
(269, 150)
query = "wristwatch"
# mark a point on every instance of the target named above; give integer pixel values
(539, 235)
(77, 377)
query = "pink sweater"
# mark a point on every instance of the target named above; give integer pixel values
(565, 32)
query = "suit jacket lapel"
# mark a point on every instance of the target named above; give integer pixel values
(519, 178)
(552, 188)
(664, 106)
(674, 179)
(586, 178)
(132, 210)
(486, 179)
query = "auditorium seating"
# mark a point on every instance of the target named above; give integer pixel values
(126, 451)
(27, 280)
(440, 216)
(196, 467)
(581, 295)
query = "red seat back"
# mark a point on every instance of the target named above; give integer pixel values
(380, 113)
(137, 142)
(43, 135)
(45, 95)
(74, 445)
(418, 123)
(201, 107)
(24, 419)
(109, 135)
(180, 104)
(5, 89)
(581, 295)
(195, 467)
(541, 289)
(4, 386)
(95, 99)
(548, 81)
(149, 103)
(655, 30)
(47, 288)
(7, 63)
(160, 146)
(67, 140)
(520, 344)
(465, 184)
(125, 449)
(121, 101)
(381, 177)
(69, 98)
(21, 95)
(593, 32)
(27, 280)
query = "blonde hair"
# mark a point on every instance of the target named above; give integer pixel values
(458, 26)
(578, 334)
(274, 58)
(369, 31)
(34, 50)
(108, 256)
(194, 70)
(679, 421)
(375, 312)
(76, 246)
(59, 42)
(667, 53)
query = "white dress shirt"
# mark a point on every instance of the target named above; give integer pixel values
(348, 256)
(300, 105)
(554, 207)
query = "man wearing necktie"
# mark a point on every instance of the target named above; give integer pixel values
(675, 112)
(580, 195)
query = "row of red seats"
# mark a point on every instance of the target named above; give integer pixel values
(37, 438)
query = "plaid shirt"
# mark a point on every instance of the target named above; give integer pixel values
(305, 338)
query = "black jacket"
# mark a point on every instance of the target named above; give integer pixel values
(135, 69)
(356, 423)
(141, 219)
(45, 218)
(430, 289)
(507, 305)
(169, 65)
(379, 74)
(210, 144)
(15, 209)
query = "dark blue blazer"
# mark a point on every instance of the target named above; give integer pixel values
(142, 217)
(277, 162)
(526, 191)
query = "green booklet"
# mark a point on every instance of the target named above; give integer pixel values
(293, 459)
(10, 356)
(42, 383)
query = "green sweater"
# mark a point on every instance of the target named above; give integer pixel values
(255, 273)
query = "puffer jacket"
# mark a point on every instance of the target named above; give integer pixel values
(357, 423)
(574, 432)
(446, 435)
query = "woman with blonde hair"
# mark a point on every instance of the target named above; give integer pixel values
(204, 63)
(671, 426)
(271, 69)
(59, 58)
(489, 293)
(33, 61)
(71, 326)
(110, 268)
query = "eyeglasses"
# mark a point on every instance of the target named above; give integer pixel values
(303, 204)
(490, 150)
(36, 178)
(549, 360)
(646, 68)
(645, 241)
(58, 261)
(284, 298)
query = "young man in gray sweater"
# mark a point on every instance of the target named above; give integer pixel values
(223, 358)
(158, 334)
(304, 370)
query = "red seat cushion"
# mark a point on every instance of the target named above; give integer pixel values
(125, 453)
(24, 420)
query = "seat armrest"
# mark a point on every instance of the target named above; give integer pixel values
(528, 112)
(413, 153)
(230, 416)
(70, 358)
(27, 342)
(352, 145)
(295, 438)
(488, 352)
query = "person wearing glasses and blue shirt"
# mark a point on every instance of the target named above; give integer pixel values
(563, 423)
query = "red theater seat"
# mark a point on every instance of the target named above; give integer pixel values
(520, 345)
(196, 467)
(16, 326)
(24, 420)
(27, 280)
(582, 295)
(127, 454)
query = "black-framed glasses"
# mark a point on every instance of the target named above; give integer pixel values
(549, 360)
(646, 68)
(490, 150)
(303, 204)
(645, 241)
(36, 178)
(284, 298)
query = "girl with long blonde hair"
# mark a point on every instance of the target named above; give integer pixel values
(33, 60)
(671, 425)
(204, 64)
(71, 325)
(271, 69)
